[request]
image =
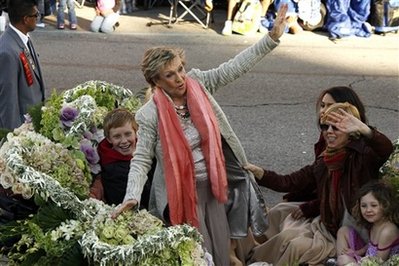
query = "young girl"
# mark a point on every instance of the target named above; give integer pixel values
(377, 210)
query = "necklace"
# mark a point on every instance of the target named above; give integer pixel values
(180, 107)
(183, 115)
(182, 111)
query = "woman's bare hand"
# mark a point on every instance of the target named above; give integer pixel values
(256, 170)
(297, 213)
(348, 123)
(127, 205)
(280, 23)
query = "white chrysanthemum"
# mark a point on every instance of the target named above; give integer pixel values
(17, 188)
(3, 165)
(27, 192)
(7, 180)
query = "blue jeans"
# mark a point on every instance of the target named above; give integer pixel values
(104, 24)
(71, 12)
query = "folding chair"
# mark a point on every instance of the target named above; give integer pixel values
(190, 7)
(81, 4)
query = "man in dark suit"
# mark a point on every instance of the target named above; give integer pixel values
(21, 80)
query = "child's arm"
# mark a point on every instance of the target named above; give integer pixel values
(386, 238)
(362, 251)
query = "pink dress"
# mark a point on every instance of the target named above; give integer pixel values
(356, 242)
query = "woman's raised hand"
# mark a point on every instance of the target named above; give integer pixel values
(348, 123)
(127, 205)
(280, 23)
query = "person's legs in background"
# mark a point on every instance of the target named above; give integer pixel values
(73, 22)
(232, 7)
(53, 6)
(264, 24)
(108, 25)
(60, 14)
(40, 7)
(96, 23)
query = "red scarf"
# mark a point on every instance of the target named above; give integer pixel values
(109, 155)
(334, 160)
(177, 154)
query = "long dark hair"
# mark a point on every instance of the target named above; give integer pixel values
(343, 94)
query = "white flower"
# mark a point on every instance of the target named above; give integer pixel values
(27, 192)
(2, 165)
(7, 180)
(17, 188)
(55, 235)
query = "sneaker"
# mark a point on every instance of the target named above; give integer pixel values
(61, 26)
(40, 25)
(264, 25)
(227, 29)
(73, 26)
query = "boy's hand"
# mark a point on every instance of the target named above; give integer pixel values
(127, 205)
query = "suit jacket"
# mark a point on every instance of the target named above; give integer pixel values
(21, 81)
(246, 206)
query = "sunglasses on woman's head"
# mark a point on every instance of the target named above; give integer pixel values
(325, 127)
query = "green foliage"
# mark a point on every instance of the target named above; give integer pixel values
(106, 99)
(36, 245)
(390, 170)
(35, 113)
(51, 115)
(4, 132)
(50, 216)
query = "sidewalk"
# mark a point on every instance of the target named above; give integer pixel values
(137, 22)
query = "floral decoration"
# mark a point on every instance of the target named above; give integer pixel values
(375, 261)
(74, 118)
(52, 168)
(390, 170)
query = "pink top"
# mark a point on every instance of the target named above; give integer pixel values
(355, 242)
(372, 248)
(104, 5)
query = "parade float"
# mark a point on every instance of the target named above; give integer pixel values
(47, 166)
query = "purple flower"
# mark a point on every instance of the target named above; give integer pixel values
(90, 152)
(68, 115)
(88, 135)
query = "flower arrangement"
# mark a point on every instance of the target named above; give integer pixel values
(75, 117)
(390, 170)
(375, 261)
(51, 164)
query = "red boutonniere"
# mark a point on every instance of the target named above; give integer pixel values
(28, 72)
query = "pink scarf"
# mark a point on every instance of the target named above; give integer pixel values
(177, 154)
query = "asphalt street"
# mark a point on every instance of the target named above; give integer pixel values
(271, 108)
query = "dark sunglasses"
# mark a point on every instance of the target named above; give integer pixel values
(36, 15)
(325, 127)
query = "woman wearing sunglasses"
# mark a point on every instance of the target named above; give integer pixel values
(352, 156)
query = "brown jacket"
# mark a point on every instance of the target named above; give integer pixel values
(362, 163)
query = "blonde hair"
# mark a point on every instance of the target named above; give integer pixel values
(156, 58)
(118, 118)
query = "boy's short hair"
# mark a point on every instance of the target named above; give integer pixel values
(118, 118)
